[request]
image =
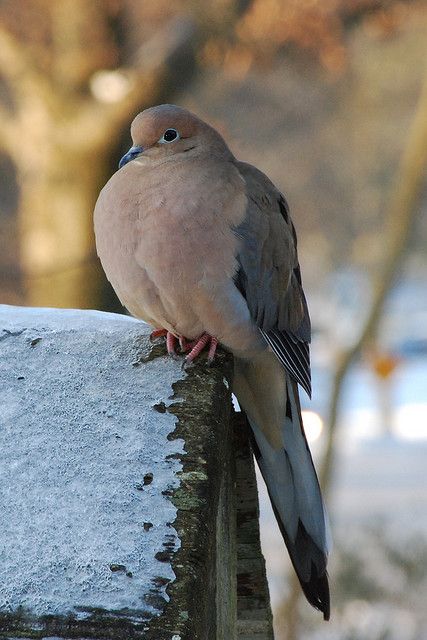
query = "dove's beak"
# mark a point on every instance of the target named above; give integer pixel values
(130, 155)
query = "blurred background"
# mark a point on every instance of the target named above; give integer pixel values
(329, 98)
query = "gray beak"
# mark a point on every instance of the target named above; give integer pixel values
(130, 155)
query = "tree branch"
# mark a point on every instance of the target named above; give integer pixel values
(74, 23)
(94, 121)
(15, 60)
(402, 215)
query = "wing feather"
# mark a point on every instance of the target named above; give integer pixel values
(269, 275)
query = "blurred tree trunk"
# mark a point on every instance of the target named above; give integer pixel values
(56, 230)
(402, 216)
(61, 154)
(58, 135)
(59, 129)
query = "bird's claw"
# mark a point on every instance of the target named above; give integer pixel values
(170, 344)
(198, 346)
(192, 348)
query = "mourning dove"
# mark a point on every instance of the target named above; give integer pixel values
(201, 246)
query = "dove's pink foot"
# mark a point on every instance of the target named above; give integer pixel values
(193, 348)
(184, 344)
(198, 345)
(170, 339)
(157, 333)
(212, 350)
(170, 343)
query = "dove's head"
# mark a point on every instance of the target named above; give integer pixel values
(165, 131)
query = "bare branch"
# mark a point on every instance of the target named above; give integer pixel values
(15, 61)
(30, 90)
(94, 122)
(401, 219)
(74, 23)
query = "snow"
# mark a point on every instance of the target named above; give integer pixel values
(82, 516)
(15, 318)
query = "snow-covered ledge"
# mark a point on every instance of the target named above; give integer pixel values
(118, 487)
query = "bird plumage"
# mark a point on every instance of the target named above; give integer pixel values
(195, 242)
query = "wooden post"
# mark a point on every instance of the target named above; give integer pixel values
(254, 619)
(127, 488)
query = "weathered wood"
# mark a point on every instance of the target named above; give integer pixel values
(119, 488)
(202, 598)
(254, 619)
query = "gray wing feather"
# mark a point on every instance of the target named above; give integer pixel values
(293, 354)
(269, 275)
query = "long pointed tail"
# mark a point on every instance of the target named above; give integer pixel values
(286, 464)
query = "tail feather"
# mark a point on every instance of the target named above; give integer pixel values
(307, 559)
(287, 467)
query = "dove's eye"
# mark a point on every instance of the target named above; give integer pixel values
(169, 136)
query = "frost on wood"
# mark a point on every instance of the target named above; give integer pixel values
(85, 458)
(89, 462)
(118, 487)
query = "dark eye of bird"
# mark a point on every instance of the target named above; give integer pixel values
(169, 135)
